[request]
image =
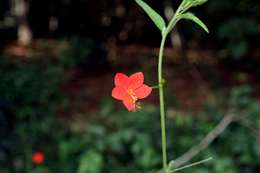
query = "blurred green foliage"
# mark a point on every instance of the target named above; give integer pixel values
(78, 52)
(242, 30)
(238, 28)
(83, 53)
(113, 140)
(30, 97)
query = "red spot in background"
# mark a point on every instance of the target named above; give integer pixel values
(38, 157)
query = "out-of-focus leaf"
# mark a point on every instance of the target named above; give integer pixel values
(90, 162)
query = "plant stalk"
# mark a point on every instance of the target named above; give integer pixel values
(162, 110)
(181, 9)
(165, 32)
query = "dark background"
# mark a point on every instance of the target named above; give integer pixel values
(55, 86)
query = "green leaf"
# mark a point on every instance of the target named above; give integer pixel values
(190, 16)
(156, 18)
(90, 162)
(196, 2)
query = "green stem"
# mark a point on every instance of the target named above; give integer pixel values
(192, 164)
(161, 82)
(155, 87)
(181, 9)
(162, 111)
(174, 19)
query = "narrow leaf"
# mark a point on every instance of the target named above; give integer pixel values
(156, 18)
(190, 16)
(196, 2)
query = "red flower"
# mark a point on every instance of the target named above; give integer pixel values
(130, 89)
(38, 157)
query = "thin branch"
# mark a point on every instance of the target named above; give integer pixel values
(192, 164)
(211, 136)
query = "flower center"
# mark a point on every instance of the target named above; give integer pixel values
(132, 95)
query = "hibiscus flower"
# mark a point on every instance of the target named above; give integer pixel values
(130, 89)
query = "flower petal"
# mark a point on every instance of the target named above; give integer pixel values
(136, 80)
(121, 80)
(129, 103)
(118, 93)
(143, 91)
